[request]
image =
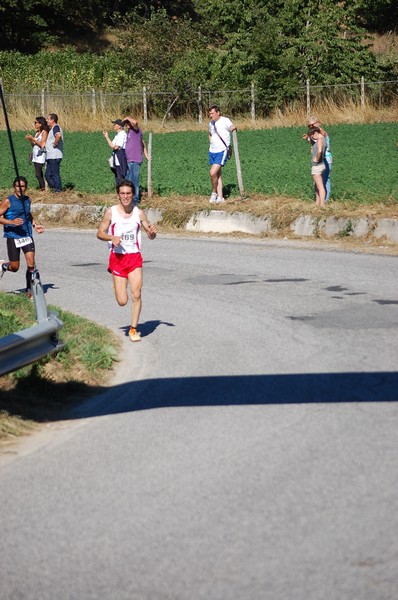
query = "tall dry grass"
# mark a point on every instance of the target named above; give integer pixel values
(384, 44)
(76, 115)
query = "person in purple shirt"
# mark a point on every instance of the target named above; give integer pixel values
(135, 150)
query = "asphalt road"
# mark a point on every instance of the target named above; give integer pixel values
(247, 449)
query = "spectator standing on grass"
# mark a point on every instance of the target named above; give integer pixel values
(220, 129)
(121, 228)
(18, 221)
(318, 166)
(118, 162)
(135, 150)
(38, 143)
(315, 122)
(54, 153)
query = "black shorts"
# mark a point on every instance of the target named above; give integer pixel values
(14, 252)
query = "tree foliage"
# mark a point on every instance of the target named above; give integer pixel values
(179, 44)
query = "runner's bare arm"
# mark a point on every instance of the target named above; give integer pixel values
(102, 233)
(150, 229)
(4, 206)
(38, 228)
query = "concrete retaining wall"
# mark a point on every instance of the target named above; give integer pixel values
(219, 221)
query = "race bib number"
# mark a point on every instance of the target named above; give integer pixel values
(19, 242)
(128, 238)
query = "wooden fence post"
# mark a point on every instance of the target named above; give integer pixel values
(93, 104)
(144, 100)
(149, 178)
(200, 116)
(363, 91)
(253, 105)
(43, 102)
(237, 163)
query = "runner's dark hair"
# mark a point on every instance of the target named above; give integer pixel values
(125, 183)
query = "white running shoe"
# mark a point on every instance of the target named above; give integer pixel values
(213, 198)
(134, 335)
(2, 271)
(219, 200)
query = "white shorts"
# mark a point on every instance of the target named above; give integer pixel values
(318, 169)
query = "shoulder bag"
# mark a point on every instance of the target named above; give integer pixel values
(229, 148)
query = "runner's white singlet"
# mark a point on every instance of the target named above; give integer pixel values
(129, 228)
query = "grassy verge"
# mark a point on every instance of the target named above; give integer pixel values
(46, 390)
(273, 162)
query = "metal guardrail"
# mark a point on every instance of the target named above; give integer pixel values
(29, 345)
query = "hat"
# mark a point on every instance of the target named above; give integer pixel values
(118, 122)
(313, 119)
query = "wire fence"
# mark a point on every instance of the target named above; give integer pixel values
(252, 102)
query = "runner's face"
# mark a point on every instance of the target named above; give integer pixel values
(17, 190)
(125, 195)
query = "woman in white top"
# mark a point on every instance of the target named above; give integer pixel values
(38, 142)
(118, 162)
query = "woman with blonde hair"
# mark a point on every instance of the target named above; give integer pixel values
(38, 143)
(318, 166)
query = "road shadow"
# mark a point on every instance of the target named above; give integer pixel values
(146, 328)
(311, 388)
(244, 390)
(45, 286)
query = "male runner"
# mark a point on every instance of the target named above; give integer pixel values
(121, 227)
(18, 221)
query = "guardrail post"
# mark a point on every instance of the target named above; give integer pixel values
(39, 300)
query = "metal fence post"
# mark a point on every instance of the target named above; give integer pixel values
(308, 99)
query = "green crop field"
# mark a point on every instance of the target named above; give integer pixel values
(275, 161)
